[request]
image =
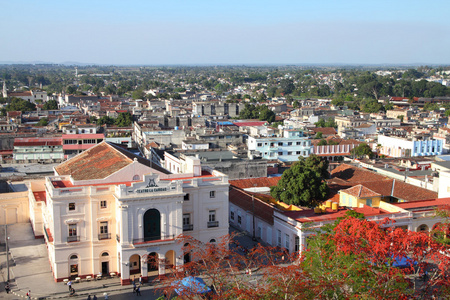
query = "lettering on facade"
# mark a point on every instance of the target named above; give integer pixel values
(161, 189)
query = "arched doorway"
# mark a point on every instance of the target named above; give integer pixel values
(152, 262)
(73, 266)
(135, 264)
(170, 259)
(152, 225)
(104, 263)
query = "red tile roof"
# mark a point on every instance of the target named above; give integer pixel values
(324, 130)
(253, 123)
(255, 182)
(382, 184)
(361, 191)
(430, 204)
(309, 215)
(40, 196)
(243, 199)
(97, 162)
(38, 141)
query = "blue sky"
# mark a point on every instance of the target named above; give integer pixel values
(226, 32)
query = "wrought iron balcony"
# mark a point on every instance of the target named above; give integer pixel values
(213, 224)
(104, 236)
(71, 239)
(188, 227)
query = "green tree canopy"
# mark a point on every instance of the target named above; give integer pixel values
(303, 183)
(362, 150)
(43, 122)
(50, 105)
(18, 104)
(124, 120)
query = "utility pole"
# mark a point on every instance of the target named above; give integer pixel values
(7, 252)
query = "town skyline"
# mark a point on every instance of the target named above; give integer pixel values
(232, 33)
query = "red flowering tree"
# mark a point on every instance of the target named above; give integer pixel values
(360, 257)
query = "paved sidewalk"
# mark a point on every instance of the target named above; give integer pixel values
(30, 268)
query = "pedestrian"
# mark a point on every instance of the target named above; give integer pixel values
(94, 298)
(69, 284)
(140, 280)
(7, 288)
(134, 287)
(138, 291)
(165, 294)
(72, 291)
(89, 297)
(29, 295)
(106, 296)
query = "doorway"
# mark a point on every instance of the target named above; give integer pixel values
(73, 271)
(105, 268)
(152, 225)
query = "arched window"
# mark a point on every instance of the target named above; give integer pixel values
(136, 177)
(74, 257)
(212, 241)
(152, 225)
(105, 254)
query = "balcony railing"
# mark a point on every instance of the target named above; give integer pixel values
(213, 224)
(154, 239)
(71, 239)
(104, 236)
(188, 227)
(117, 238)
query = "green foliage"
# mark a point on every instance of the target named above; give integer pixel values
(362, 150)
(138, 94)
(371, 106)
(319, 135)
(287, 86)
(431, 106)
(322, 142)
(18, 104)
(303, 183)
(124, 120)
(105, 120)
(388, 105)
(43, 122)
(329, 123)
(50, 105)
(261, 112)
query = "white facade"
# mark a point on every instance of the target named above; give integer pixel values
(287, 148)
(401, 147)
(128, 222)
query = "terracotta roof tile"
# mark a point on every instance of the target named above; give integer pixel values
(243, 199)
(361, 191)
(382, 184)
(97, 162)
(255, 182)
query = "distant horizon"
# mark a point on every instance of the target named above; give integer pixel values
(200, 32)
(81, 64)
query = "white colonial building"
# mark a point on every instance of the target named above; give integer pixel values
(107, 212)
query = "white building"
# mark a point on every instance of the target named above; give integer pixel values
(107, 211)
(287, 148)
(403, 147)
